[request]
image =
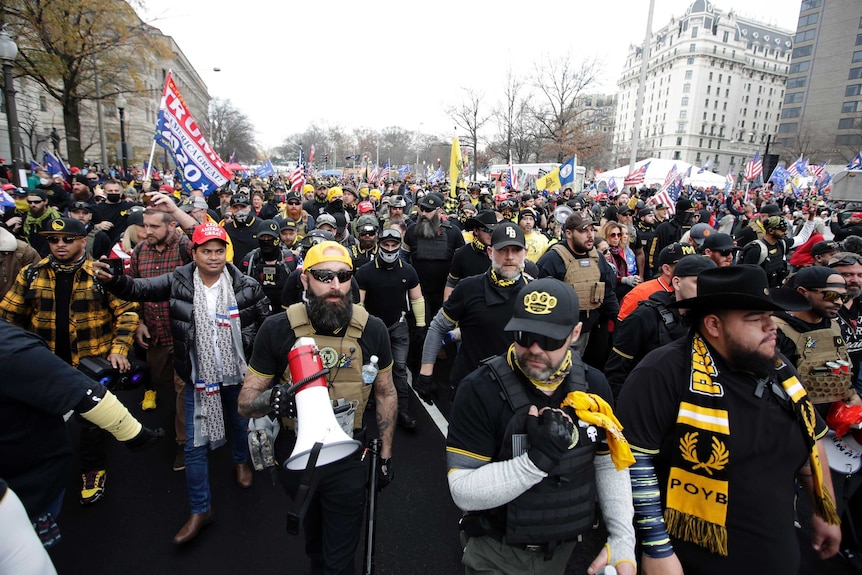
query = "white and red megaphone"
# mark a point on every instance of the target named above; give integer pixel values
(316, 421)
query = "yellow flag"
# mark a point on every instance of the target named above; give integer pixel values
(550, 181)
(455, 166)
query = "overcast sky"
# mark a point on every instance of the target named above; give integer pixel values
(386, 63)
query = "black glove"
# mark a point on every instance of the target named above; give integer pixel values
(282, 402)
(145, 438)
(426, 388)
(550, 435)
(385, 473)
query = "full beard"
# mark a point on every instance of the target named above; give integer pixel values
(327, 316)
(428, 228)
(752, 361)
(532, 372)
(506, 274)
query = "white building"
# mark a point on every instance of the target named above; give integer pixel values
(714, 89)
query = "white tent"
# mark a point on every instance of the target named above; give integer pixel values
(658, 170)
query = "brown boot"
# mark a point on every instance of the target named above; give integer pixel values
(190, 530)
(244, 475)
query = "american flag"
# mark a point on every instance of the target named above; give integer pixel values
(374, 173)
(668, 190)
(384, 173)
(637, 177)
(754, 167)
(798, 168)
(728, 182)
(817, 170)
(297, 176)
(511, 176)
(311, 155)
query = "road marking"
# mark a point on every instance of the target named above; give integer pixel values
(436, 415)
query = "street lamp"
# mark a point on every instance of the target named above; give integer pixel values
(121, 106)
(8, 53)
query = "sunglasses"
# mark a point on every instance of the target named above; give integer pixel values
(294, 203)
(832, 296)
(35, 202)
(527, 339)
(368, 232)
(614, 235)
(487, 230)
(326, 276)
(726, 253)
(64, 239)
(92, 179)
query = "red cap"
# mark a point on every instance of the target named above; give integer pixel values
(365, 207)
(75, 170)
(209, 231)
(7, 187)
(856, 215)
(166, 189)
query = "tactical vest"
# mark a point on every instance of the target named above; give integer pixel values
(433, 249)
(758, 228)
(91, 241)
(814, 349)
(342, 355)
(562, 505)
(584, 275)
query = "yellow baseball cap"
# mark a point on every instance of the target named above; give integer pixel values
(328, 251)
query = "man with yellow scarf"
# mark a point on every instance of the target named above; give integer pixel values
(720, 426)
(533, 443)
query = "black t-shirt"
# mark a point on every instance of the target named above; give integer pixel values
(850, 321)
(386, 289)
(275, 338)
(36, 389)
(117, 214)
(468, 261)
(314, 208)
(766, 448)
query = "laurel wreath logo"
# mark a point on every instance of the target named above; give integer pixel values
(717, 459)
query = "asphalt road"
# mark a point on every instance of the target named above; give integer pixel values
(129, 532)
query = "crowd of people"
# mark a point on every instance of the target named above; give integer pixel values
(604, 348)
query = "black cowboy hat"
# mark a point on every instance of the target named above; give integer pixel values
(743, 287)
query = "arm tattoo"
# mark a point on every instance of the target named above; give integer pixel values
(254, 397)
(386, 400)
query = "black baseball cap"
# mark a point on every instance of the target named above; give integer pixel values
(692, 265)
(432, 200)
(672, 253)
(239, 200)
(268, 227)
(81, 206)
(814, 277)
(63, 227)
(719, 242)
(824, 247)
(546, 307)
(508, 234)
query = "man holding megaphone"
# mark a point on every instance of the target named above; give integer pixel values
(346, 340)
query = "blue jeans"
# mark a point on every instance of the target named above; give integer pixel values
(197, 461)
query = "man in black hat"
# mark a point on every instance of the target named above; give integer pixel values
(38, 215)
(577, 262)
(533, 443)
(317, 205)
(720, 248)
(652, 323)
(823, 251)
(429, 245)
(110, 215)
(479, 306)
(646, 226)
(472, 259)
(720, 423)
(60, 300)
(672, 230)
(294, 211)
(98, 242)
(243, 227)
(268, 263)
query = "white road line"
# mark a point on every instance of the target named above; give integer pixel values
(436, 415)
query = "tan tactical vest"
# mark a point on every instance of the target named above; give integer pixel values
(342, 355)
(757, 226)
(584, 276)
(816, 348)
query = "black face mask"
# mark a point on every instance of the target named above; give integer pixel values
(337, 205)
(114, 198)
(268, 245)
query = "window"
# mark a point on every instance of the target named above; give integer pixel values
(810, 5)
(853, 90)
(796, 82)
(686, 88)
(676, 156)
(787, 128)
(725, 36)
(710, 76)
(680, 128)
(806, 35)
(679, 141)
(848, 107)
(859, 39)
(846, 123)
(683, 114)
(802, 51)
(694, 31)
(691, 48)
(855, 73)
(793, 98)
(688, 74)
(792, 112)
(798, 67)
(848, 140)
(697, 157)
(808, 20)
(685, 100)
(708, 89)
(43, 103)
(857, 56)
(690, 61)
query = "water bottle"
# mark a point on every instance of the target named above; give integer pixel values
(369, 371)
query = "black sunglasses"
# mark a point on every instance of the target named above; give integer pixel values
(64, 239)
(832, 296)
(367, 232)
(35, 201)
(487, 230)
(294, 203)
(527, 339)
(326, 276)
(725, 253)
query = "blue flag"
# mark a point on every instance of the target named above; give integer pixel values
(265, 170)
(34, 167)
(567, 172)
(54, 165)
(402, 171)
(779, 177)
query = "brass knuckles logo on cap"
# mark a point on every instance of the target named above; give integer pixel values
(58, 225)
(539, 303)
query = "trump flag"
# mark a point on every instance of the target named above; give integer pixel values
(179, 134)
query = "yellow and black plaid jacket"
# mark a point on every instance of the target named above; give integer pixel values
(100, 323)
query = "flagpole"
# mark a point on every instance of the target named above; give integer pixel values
(150, 162)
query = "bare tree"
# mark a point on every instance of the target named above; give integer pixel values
(469, 117)
(561, 82)
(232, 131)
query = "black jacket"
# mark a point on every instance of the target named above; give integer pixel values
(178, 287)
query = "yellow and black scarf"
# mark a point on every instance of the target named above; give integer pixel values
(697, 487)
